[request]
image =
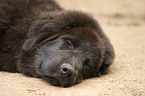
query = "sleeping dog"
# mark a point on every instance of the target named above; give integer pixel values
(40, 39)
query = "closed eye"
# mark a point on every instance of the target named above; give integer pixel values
(69, 44)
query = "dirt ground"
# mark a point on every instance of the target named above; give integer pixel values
(123, 21)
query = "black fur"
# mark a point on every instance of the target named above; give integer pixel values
(40, 39)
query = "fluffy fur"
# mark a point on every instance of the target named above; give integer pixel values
(40, 39)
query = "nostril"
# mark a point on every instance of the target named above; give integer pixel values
(65, 70)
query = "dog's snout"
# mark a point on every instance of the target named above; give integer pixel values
(67, 70)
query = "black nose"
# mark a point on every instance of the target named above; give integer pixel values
(67, 70)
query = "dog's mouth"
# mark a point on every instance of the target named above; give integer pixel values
(52, 80)
(58, 80)
(61, 81)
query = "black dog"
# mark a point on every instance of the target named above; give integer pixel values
(40, 39)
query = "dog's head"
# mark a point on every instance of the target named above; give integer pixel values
(63, 48)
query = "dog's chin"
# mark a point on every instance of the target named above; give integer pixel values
(52, 80)
(61, 81)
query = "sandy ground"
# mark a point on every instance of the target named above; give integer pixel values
(124, 23)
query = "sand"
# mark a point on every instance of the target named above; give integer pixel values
(123, 21)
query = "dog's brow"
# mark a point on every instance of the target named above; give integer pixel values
(48, 39)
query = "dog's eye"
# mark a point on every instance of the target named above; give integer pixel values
(69, 44)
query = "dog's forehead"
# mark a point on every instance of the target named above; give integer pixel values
(83, 33)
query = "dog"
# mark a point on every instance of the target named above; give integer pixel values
(40, 39)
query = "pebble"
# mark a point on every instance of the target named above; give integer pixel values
(111, 80)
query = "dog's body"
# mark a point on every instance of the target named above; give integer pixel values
(40, 39)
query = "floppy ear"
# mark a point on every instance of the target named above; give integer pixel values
(36, 41)
(36, 34)
(30, 43)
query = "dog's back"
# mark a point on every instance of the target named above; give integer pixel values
(15, 12)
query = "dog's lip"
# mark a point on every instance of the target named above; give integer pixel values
(58, 80)
(52, 80)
